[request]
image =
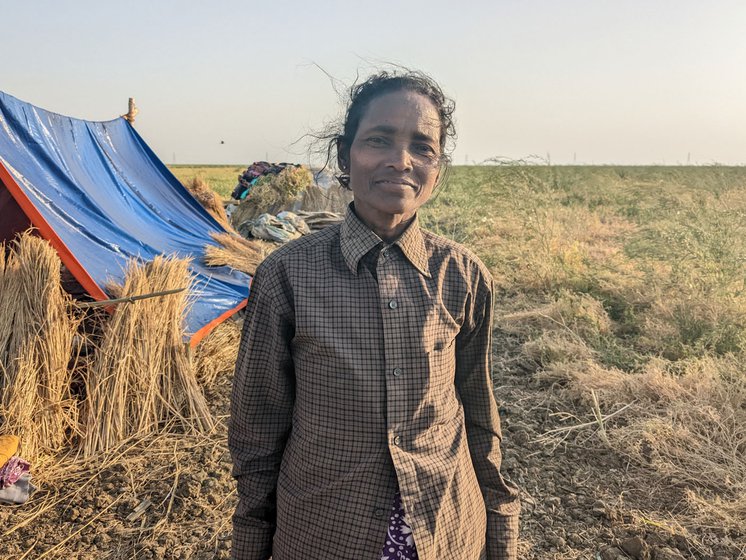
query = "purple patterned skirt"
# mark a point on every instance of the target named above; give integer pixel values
(399, 539)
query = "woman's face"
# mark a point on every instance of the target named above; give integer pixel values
(395, 156)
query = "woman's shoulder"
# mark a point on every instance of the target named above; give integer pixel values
(445, 251)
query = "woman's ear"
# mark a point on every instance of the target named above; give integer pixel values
(343, 156)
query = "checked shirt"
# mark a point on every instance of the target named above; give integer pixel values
(349, 385)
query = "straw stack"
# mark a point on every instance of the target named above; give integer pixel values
(210, 200)
(217, 354)
(142, 379)
(36, 348)
(333, 199)
(234, 251)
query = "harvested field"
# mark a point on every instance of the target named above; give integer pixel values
(619, 365)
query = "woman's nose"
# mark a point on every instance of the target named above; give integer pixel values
(400, 158)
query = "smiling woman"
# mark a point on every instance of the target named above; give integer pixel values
(363, 424)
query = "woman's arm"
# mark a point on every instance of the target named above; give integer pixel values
(474, 384)
(261, 413)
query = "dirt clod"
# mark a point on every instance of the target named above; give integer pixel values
(667, 554)
(636, 548)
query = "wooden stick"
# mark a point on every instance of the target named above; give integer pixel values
(132, 111)
(128, 299)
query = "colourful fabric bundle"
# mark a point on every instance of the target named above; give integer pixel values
(15, 480)
(11, 471)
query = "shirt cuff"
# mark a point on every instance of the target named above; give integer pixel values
(502, 537)
(251, 542)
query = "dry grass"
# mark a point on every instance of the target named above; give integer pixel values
(236, 252)
(142, 378)
(158, 472)
(684, 421)
(217, 353)
(36, 347)
(580, 315)
(552, 347)
(210, 200)
(287, 184)
(625, 288)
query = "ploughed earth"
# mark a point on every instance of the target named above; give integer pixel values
(171, 496)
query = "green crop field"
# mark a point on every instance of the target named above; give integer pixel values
(222, 178)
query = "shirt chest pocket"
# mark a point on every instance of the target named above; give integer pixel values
(434, 328)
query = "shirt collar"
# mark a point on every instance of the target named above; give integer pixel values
(357, 239)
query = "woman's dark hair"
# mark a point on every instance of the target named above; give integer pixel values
(360, 96)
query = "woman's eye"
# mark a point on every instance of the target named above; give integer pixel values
(376, 141)
(425, 150)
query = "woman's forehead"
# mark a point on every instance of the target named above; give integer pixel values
(402, 111)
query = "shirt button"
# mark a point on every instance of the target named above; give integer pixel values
(379, 512)
(397, 372)
(397, 440)
(393, 304)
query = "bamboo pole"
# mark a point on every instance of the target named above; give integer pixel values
(132, 111)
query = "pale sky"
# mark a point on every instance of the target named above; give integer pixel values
(586, 81)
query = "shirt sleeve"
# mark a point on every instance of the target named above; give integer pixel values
(474, 383)
(261, 414)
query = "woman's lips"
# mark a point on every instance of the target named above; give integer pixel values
(397, 182)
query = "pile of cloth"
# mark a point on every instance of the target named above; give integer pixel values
(15, 479)
(286, 226)
(256, 171)
(281, 228)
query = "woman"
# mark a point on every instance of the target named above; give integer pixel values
(363, 424)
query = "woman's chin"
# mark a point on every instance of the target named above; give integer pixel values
(391, 207)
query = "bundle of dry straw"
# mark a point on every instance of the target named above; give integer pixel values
(210, 200)
(217, 353)
(142, 379)
(36, 347)
(234, 251)
(273, 193)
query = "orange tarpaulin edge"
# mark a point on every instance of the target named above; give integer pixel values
(48, 233)
(204, 331)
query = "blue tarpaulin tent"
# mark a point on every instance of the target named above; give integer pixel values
(101, 197)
